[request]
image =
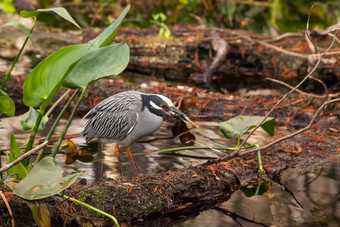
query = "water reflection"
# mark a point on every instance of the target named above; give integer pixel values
(312, 199)
(104, 162)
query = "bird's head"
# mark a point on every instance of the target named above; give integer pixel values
(163, 106)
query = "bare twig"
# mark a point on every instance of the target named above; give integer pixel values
(290, 135)
(8, 207)
(302, 92)
(22, 157)
(292, 90)
(322, 83)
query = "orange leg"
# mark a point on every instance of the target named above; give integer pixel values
(133, 162)
(117, 152)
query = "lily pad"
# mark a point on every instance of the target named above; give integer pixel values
(241, 124)
(44, 180)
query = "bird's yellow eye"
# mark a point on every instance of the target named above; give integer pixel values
(163, 106)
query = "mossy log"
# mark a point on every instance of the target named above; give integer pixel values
(174, 196)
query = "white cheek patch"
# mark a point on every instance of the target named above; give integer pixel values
(155, 106)
(167, 100)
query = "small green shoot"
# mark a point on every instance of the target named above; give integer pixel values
(159, 20)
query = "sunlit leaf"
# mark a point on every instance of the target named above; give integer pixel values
(7, 105)
(20, 26)
(45, 79)
(29, 119)
(44, 180)
(40, 212)
(97, 64)
(62, 12)
(107, 36)
(241, 124)
(19, 170)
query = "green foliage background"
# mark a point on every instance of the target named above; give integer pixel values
(267, 16)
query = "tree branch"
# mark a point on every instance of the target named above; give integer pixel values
(22, 157)
(292, 90)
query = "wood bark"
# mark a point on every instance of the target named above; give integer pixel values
(190, 53)
(175, 195)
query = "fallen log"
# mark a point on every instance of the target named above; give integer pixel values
(190, 53)
(170, 196)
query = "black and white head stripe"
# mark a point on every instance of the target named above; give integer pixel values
(156, 103)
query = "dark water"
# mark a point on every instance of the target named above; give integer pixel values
(312, 198)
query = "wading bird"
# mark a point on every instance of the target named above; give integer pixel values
(127, 116)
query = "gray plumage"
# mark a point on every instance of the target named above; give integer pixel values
(123, 118)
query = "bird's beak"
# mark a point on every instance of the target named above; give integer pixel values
(176, 113)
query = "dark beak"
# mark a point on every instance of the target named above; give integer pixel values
(176, 113)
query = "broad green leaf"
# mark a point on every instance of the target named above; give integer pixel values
(107, 36)
(241, 124)
(20, 26)
(29, 119)
(15, 153)
(44, 180)
(99, 63)
(44, 80)
(62, 12)
(7, 105)
(40, 212)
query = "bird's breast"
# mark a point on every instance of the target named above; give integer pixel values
(147, 123)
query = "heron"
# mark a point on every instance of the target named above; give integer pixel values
(127, 116)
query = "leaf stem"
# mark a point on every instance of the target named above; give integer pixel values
(50, 133)
(92, 208)
(238, 141)
(29, 145)
(259, 159)
(17, 57)
(203, 147)
(56, 148)
(57, 102)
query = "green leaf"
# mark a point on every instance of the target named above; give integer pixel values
(7, 105)
(44, 180)
(20, 26)
(45, 79)
(40, 212)
(167, 33)
(29, 119)
(107, 36)
(99, 63)
(162, 16)
(160, 32)
(15, 153)
(241, 124)
(62, 12)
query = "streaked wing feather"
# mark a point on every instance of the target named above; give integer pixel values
(114, 117)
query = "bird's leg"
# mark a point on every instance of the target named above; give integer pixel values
(120, 166)
(130, 155)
